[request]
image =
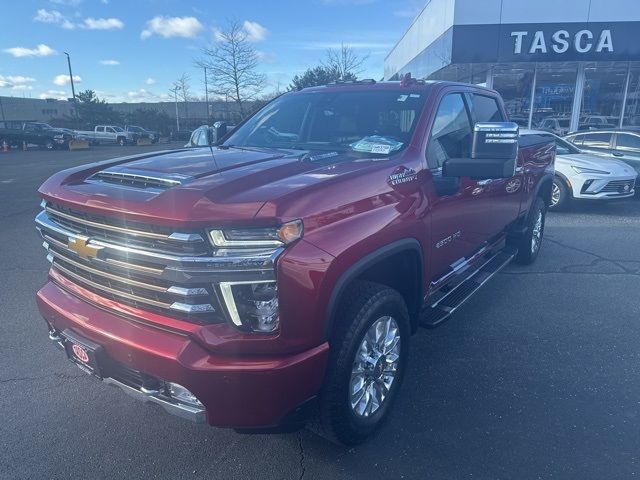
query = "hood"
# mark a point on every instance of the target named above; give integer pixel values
(593, 161)
(192, 187)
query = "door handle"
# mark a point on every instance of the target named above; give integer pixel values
(618, 154)
(484, 183)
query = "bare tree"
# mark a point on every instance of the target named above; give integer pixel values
(232, 64)
(182, 87)
(345, 61)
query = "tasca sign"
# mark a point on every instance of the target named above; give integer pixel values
(561, 41)
(546, 42)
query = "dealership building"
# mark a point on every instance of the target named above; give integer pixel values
(559, 64)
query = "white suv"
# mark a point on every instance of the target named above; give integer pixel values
(584, 176)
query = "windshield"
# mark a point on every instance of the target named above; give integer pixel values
(373, 121)
(118, 129)
(562, 146)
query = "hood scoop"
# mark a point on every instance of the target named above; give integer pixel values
(139, 180)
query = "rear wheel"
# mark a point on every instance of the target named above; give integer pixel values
(530, 242)
(560, 195)
(367, 363)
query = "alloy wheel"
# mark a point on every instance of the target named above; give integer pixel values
(375, 367)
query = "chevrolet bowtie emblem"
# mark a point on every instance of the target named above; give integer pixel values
(82, 248)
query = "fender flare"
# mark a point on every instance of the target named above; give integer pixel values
(547, 177)
(355, 270)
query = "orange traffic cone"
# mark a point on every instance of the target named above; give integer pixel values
(24, 146)
(5, 147)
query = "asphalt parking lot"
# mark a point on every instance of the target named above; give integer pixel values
(537, 376)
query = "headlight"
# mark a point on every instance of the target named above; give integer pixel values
(252, 305)
(588, 170)
(257, 237)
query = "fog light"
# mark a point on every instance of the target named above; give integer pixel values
(182, 395)
(252, 305)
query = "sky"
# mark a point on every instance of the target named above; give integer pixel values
(134, 50)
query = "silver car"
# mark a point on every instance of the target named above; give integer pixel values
(584, 176)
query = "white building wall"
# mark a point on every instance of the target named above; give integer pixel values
(434, 20)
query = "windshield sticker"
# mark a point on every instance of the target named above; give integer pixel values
(402, 98)
(402, 175)
(415, 95)
(379, 148)
(376, 144)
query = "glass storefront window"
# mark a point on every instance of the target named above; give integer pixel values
(514, 83)
(553, 100)
(602, 97)
(632, 108)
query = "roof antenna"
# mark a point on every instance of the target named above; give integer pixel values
(210, 142)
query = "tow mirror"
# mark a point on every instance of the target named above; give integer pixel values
(494, 153)
(219, 130)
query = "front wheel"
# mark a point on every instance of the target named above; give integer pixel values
(530, 242)
(122, 141)
(560, 195)
(368, 359)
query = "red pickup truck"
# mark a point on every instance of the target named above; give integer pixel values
(281, 273)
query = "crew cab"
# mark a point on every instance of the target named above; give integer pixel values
(108, 134)
(282, 273)
(135, 131)
(36, 133)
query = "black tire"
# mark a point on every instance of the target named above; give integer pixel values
(122, 141)
(560, 195)
(363, 305)
(528, 250)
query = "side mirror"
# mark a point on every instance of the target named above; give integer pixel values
(219, 130)
(494, 153)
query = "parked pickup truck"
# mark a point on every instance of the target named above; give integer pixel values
(35, 133)
(282, 273)
(108, 134)
(141, 132)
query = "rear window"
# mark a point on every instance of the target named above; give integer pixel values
(628, 142)
(485, 109)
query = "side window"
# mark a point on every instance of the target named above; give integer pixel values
(628, 142)
(100, 129)
(110, 130)
(451, 132)
(576, 140)
(485, 109)
(596, 140)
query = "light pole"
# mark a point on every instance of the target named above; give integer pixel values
(175, 96)
(206, 93)
(73, 89)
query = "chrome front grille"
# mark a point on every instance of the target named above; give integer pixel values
(618, 186)
(120, 263)
(127, 233)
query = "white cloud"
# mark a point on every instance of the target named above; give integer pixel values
(168, 27)
(14, 81)
(68, 3)
(150, 81)
(255, 31)
(266, 57)
(109, 62)
(55, 17)
(58, 94)
(102, 24)
(63, 79)
(41, 50)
